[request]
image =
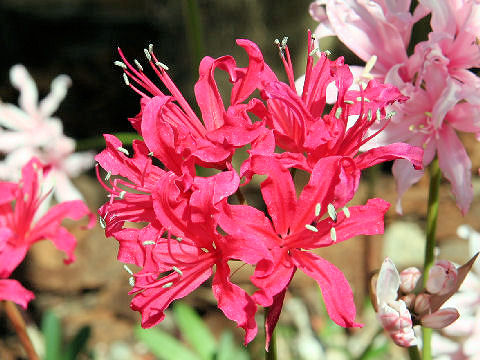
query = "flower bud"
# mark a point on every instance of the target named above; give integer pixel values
(409, 278)
(404, 338)
(409, 300)
(422, 304)
(442, 278)
(440, 319)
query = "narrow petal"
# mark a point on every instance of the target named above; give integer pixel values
(273, 315)
(58, 91)
(390, 152)
(21, 79)
(235, 303)
(336, 291)
(456, 167)
(388, 282)
(12, 290)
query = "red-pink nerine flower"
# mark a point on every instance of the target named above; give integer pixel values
(437, 77)
(190, 224)
(20, 226)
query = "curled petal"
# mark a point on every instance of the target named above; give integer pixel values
(11, 290)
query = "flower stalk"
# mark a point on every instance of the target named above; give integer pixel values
(271, 350)
(20, 328)
(432, 216)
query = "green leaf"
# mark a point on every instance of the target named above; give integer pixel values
(195, 331)
(78, 343)
(163, 345)
(52, 331)
(227, 349)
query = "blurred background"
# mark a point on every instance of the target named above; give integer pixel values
(88, 299)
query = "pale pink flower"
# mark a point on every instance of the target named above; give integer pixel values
(31, 131)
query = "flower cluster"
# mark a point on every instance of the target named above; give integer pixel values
(436, 77)
(21, 225)
(189, 224)
(31, 131)
(401, 301)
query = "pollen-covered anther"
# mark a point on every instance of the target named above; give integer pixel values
(311, 228)
(346, 212)
(318, 208)
(177, 270)
(125, 79)
(314, 51)
(332, 212)
(108, 175)
(360, 98)
(348, 102)
(390, 115)
(369, 115)
(139, 66)
(122, 194)
(284, 41)
(179, 239)
(333, 234)
(120, 64)
(327, 52)
(131, 281)
(167, 285)
(378, 115)
(102, 222)
(150, 48)
(148, 242)
(147, 55)
(123, 150)
(338, 113)
(162, 65)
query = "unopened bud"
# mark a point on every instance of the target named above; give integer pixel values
(440, 319)
(422, 304)
(442, 278)
(409, 300)
(409, 278)
(404, 338)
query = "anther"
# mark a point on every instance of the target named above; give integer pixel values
(428, 113)
(162, 65)
(346, 212)
(147, 55)
(276, 42)
(177, 270)
(348, 102)
(150, 48)
(333, 234)
(131, 281)
(148, 242)
(318, 208)
(378, 115)
(102, 222)
(139, 66)
(411, 128)
(179, 239)
(328, 52)
(120, 64)
(314, 51)
(338, 113)
(284, 41)
(390, 115)
(107, 177)
(127, 269)
(122, 194)
(123, 150)
(167, 285)
(369, 115)
(311, 228)
(150, 153)
(125, 79)
(360, 98)
(331, 212)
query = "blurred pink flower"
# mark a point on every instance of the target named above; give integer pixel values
(443, 91)
(30, 130)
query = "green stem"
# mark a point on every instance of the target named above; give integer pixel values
(271, 352)
(191, 13)
(432, 216)
(413, 353)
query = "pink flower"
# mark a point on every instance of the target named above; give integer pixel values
(11, 290)
(297, 226)
(20, 226)
(31, 131)
(443, 91)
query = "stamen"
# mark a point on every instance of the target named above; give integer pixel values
(107, 177)
(127, 269)
(360, 98)
(167, 285)
(348, 102)
(147, 55)
(177, 270)
(378, 115)
(314, 51)
(338, 113)
(204, 250)
(139, 66)
(148, 242)
(102, 222)
(150, 48)
(125, 79)
(369, 115)
(162, 65)
(123, 150)
(120, 64)
(284, 41)
(390, 115)
(370, 64)
(131, 281)
(333, 234)
(122, 194)
(346, 212)
(311, 228)
(150, 153)
(318, 208)
(331, 212)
